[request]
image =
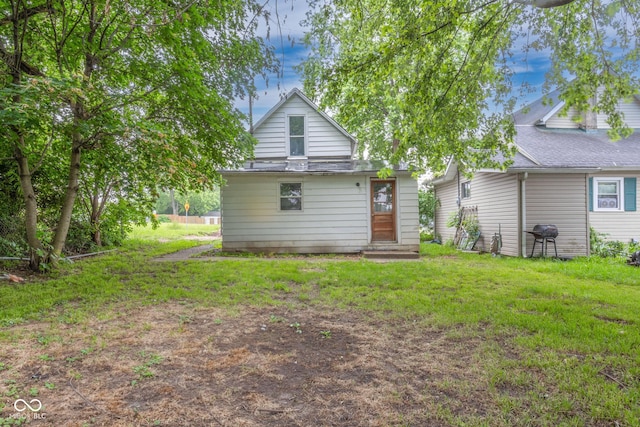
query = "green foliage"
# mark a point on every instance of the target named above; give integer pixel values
(417, 81)
(200, 202)
(454, 219)
(604, 248)
(170, 231)
(427, 205)
(13, 421)
(108, 102)
(144, 370)
(163, 219)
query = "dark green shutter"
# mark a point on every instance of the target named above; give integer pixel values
(591, 194)
(630, 194)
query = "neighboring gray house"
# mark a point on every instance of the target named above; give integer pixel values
(304, 192)
(566, 172)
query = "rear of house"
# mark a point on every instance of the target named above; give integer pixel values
(305, 193)
(563, 174)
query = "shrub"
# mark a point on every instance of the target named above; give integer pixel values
(609, 248)
(162, 219)
(12, 237)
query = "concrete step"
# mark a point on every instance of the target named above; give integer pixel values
(390, 255)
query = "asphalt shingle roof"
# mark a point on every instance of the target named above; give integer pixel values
(541, 147)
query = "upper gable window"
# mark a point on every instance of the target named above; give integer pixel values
(608, 194)
(296, 136)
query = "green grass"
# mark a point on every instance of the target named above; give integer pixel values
(564, 335)
(172, 231)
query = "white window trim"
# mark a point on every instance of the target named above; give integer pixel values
(288, 137)
(279, 197)
(620, 181)
(462, 192)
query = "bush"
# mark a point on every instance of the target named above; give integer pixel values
(426, 235)
(79, 238)
(162, 219)
(427, 205)
(12, 237)
(610, 248)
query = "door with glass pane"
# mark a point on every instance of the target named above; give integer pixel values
(383, 210)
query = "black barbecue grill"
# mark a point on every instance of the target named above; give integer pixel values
(544, 234)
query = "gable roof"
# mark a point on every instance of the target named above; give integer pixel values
(574, 148)
(297, 92)
(540, 147)
(539, 109)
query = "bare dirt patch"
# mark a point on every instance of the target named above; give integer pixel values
(179, 365)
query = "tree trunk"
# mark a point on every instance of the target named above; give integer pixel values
(69, 199)
(94, 221)
(174, 205)
(97, 238)
(31, 208)
(96, 213)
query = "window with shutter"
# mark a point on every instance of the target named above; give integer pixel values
(612, 194)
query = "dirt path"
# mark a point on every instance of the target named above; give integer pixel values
(185, 254)
(177, 364)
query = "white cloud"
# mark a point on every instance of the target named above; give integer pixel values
(285, 34)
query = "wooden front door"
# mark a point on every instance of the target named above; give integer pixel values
(383, 210)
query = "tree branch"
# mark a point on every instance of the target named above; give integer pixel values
(27, 13)
(544, 4)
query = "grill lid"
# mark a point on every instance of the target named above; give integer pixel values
(545, 230)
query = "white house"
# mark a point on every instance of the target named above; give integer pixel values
(304, 191)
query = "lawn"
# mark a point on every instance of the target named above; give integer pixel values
(452, 339)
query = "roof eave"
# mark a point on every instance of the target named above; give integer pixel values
(557, 169)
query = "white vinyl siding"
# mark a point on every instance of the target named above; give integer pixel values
(573, 119)
(631, 111)
(323, 138)
(496, 196)
(566, 121)
(447, 194)
(620, 225)
(408, 215)
(335, 217)
(558, 199)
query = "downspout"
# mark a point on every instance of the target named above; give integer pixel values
(458, 199)
(523, 214)
(586, 207)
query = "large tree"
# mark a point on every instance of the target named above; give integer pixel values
(424, 81)
(123, 95)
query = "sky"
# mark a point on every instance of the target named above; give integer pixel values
(286, 39)
(291, 51)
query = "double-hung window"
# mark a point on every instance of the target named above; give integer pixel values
(608, 194)
(296, 136)
(290, 196)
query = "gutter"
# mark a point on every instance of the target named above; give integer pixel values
(562, 169)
